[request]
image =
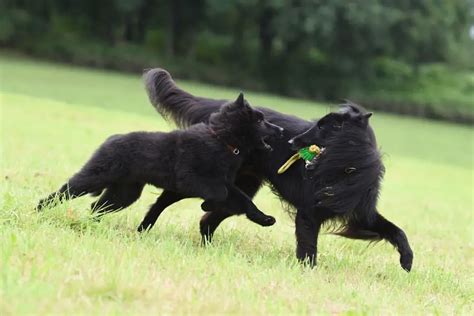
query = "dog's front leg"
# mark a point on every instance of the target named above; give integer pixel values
(238, 202)
(307, 230)
(165, 199)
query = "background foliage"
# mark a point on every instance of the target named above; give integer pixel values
(404, 56)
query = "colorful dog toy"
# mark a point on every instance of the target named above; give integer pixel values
(305, 153)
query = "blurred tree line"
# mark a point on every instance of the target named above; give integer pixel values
(312, 48)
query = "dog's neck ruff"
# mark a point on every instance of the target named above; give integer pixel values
(234, 150)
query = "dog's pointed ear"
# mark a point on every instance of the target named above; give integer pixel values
(365, 118)
(240, 99)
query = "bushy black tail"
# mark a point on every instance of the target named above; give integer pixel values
(175, 104)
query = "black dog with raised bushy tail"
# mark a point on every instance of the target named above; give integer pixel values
(343, 186)
(201, 161)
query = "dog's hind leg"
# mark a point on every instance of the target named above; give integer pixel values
(163, 201)
(218, 212)
(381, 228)
(117, 197)
(238, 202)
(209, 223)
(80, 184)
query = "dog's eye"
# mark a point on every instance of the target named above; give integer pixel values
(337, 126)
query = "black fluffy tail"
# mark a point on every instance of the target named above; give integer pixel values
(175, 104)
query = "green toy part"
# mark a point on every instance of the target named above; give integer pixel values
(308, 153)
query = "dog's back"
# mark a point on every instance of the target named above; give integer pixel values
(135, 155)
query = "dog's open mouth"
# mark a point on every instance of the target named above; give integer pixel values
(265, 144)
(311, 164)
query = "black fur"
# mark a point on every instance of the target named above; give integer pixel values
(201, 161)
(343, 186)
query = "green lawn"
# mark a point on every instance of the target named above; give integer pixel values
(62, 262)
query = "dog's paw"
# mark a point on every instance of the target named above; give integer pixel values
(205, 240)
(308, 262)
(144, 227)
(41, 205)
(268, 221)
(208, 206)
(406, 261)
(261, 219)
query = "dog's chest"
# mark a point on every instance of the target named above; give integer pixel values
(232, 169)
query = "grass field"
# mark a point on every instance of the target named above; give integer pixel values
(62, 262)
